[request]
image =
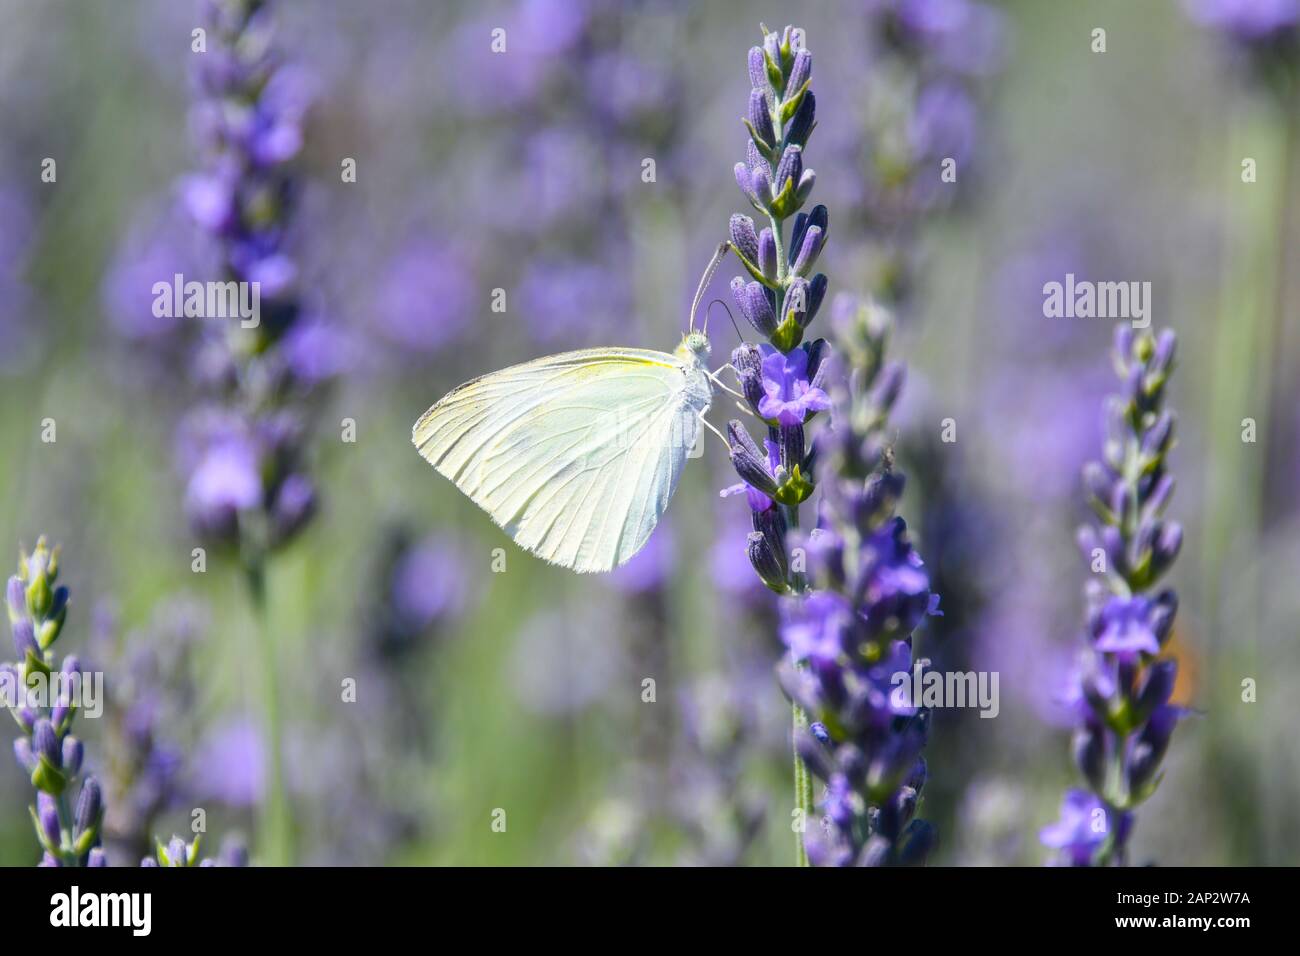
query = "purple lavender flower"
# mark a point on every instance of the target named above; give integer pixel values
(248, 488)
(1121, 690)
(788, 396)
(1082, 828)
(848, 628)
(229, 764)
(426, 298)
(43, 692)
(851, 636)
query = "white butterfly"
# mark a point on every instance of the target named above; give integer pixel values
(576, 455)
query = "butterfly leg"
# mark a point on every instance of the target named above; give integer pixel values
(713, 376)
(721, 437)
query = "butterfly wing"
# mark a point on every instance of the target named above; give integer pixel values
(575, 455)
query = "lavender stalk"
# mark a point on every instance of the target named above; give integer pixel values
(852, 635)
(248, 488)
(43, 694)
(1123, 686)
(780, 378)
(855, 594)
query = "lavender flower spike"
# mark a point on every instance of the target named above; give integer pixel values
(780, 377)
(852, 635)
(43, 694)
(177, 852)
(1124, 717)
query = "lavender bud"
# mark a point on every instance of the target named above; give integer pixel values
(804, 187)
(47, 814)
(1123, 349)
(772, 46)
(1150, 747)
(1113, 542)
(819, 217)
(16, 595)
(819, 353)
(741, 298)
(1155, 443)
(745, 181)
(90, 804)
(771, 525)
(1161, 620)
(178, 852)
(1164, 549)
(796, 301)
(760, 118)
(748, 362)
(73, 752)
(1163, 359)
(1098, 484)
(757, 67)
(816, 293)
(767, 253)
(96, 857)
(803, 121)
(790, 168)
(764, 562)
(760, 185)
(1158, 498)
(744, 238)
(809, 250)
(23, 753)
(760, 313)
(45, 742)
(800, 73)
(750, 463)
(888, 386)
(25, 639)
(1156, 689)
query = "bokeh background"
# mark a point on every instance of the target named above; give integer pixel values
(520, 689)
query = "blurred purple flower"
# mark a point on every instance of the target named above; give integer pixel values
(229, 764)
(1081, 829)
(571, 301)
(225, 481)
(1247, 20)
(430, 582)
(426, 299)
(1124, 628)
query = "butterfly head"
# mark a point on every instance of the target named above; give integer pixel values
(695, 348)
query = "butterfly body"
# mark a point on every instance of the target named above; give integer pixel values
(576, 455)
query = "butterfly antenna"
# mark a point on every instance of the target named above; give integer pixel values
(739, 337)
(718, 255)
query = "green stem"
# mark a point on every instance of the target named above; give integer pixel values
(803, 789)
(803, 784)
(276, 837)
